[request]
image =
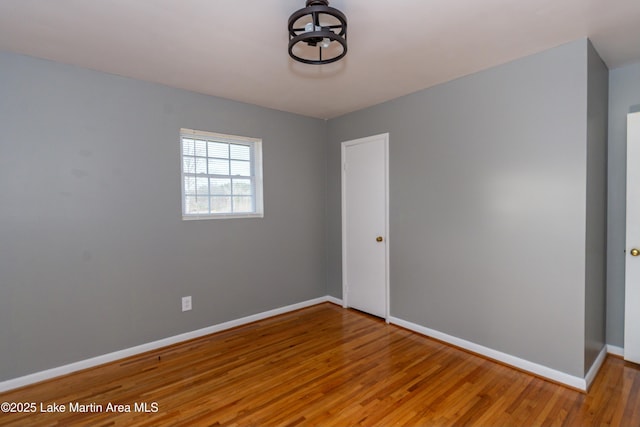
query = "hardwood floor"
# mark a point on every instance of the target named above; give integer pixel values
(324, 366)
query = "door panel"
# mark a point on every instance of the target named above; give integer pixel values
(364, 207)
(632, 260)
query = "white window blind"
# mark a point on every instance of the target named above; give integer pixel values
(221, 175)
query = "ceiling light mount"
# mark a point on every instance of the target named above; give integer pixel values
(317, 34)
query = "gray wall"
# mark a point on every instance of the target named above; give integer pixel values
(488, 205)
(94, 256)
(624, 97)
(596, 226)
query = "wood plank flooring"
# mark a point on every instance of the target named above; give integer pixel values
(323, 366)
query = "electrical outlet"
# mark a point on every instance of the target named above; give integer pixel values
(186, 303)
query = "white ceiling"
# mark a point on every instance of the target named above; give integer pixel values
(237, 49)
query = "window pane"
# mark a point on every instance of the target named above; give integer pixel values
(188, 147)
(196, 205)
(221, 204)
(201, 165)
(189, 185)
(189, 164)
(202, 185)
(242, 204)
(219, 149)
(220, 187)
(218, 175)
(218, 167)
(239, 167)
(242, 187)
(240, 152)
(201, 148)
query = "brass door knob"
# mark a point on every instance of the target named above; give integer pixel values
(635, 252)
(379, 239)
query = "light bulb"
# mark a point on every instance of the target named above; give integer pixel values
(325, 42)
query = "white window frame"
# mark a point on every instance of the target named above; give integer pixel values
(256, 172)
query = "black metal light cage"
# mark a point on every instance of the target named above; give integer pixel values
(335, 33)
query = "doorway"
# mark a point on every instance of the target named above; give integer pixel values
(365, 224)
(632, 258)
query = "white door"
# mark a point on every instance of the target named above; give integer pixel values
(632, 263)
(365, 240)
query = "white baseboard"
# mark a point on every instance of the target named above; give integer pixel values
(121, 354)
(615, 350)
(525, 365)
(595, 367)
(334, 300)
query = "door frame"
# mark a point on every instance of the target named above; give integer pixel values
(344, 145)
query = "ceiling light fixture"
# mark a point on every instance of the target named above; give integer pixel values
(317, 26)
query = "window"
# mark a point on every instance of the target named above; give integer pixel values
(221, 175)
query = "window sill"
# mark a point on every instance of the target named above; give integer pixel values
(221, 216)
